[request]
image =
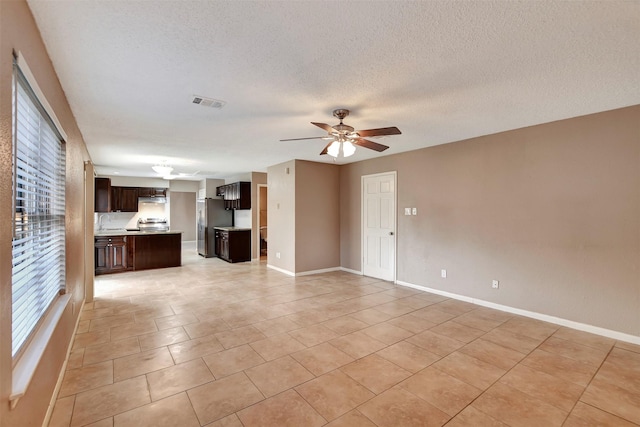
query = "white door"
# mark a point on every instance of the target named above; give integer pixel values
(379, 226)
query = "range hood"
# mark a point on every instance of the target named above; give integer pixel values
(152, 199)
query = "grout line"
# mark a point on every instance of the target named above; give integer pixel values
(336, 288)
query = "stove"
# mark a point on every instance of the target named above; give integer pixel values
(153, 224)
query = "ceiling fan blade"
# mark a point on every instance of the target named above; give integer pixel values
(379, 132)
(300, 139)
(324, 126)
(369, 144)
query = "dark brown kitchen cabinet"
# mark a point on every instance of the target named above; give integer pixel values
(222, 244)
(236, 195)
(118, 253)
(112, 255)
(233, 245)
(110, 198)
(124, 199)
(102, 195)
(157, 251)
(152, 192)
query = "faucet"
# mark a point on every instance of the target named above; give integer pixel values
(100, 221)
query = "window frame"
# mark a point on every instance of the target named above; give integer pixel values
(26, 360)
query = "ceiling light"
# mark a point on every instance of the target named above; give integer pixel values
(348, 148)
(163, 169)
(334, 149)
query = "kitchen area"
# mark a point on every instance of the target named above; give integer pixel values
(141, 224)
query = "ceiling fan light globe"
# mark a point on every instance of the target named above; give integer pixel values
(348, 148)
(334, 149)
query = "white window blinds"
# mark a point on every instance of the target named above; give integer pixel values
(38, 268)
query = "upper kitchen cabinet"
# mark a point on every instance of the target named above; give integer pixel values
(110, 198)
(102, 195)
(124, 199)
(236, 195)
(152, 192)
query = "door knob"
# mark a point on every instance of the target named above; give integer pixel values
(391, 233)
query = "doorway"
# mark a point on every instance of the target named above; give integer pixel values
(379, 226)
(263, 235)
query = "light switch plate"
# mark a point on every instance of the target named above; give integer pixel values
(407, 211)
(414, 211)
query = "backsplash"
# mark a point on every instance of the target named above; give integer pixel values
(242, 218)
(130, 219)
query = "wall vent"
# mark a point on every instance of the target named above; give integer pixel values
(208, 102)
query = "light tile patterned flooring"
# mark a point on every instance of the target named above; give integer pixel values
(221, 345)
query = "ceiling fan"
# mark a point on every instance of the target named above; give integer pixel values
(345, 137)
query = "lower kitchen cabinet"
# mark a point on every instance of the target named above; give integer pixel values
(233, 245)
(112, 255)
(115, 254)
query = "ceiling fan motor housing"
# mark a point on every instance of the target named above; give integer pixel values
(343, 128)
(340, 113)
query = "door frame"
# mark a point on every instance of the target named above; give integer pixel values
(259, 186)
(395, 221)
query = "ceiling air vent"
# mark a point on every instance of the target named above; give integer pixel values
(208, 102)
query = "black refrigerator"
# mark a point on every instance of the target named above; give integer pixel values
(211, 213)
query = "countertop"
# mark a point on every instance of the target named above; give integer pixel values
(123, 232)
(232, 228)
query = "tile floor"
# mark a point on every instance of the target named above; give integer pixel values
(215, 344)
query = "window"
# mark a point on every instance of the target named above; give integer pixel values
(38, 267)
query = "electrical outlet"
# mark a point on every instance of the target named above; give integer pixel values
(443, 273)
(495, 284)
(414, 211)
(278, 255)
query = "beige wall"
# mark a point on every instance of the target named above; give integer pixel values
(256, 178)
(552, 211)
(18, 32)
(183, 214)
(184, 186)
(317, 216)
(304, 216)
(282, 218)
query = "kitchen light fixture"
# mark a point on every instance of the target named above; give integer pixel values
(162, 169)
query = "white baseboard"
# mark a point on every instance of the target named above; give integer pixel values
(281, 270)
(348, 270)
(532, 314)
(303, 273)
(323, 270)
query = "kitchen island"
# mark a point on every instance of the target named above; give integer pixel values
(117, 251)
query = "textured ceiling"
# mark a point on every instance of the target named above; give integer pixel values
(441, 71)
